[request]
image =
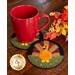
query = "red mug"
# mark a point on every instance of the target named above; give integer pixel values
(25, 20)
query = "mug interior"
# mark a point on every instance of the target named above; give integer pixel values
(24, 11)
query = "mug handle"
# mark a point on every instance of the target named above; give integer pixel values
(46, 23)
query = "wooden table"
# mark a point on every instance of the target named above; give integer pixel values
(61, 69)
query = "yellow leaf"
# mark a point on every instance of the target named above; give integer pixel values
(66, 26)
(58, 29)
(64, 32)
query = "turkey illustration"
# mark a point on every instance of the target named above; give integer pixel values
(46, 54)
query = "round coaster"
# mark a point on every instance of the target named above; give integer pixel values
(18, 44)
(17, 62)
(46, 56)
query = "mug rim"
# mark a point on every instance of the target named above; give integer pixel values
(21, 6)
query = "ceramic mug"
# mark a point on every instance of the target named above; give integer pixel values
(25, 20)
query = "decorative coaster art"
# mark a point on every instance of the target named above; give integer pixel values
(18, 44)
(17, 62)
(45, 54)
